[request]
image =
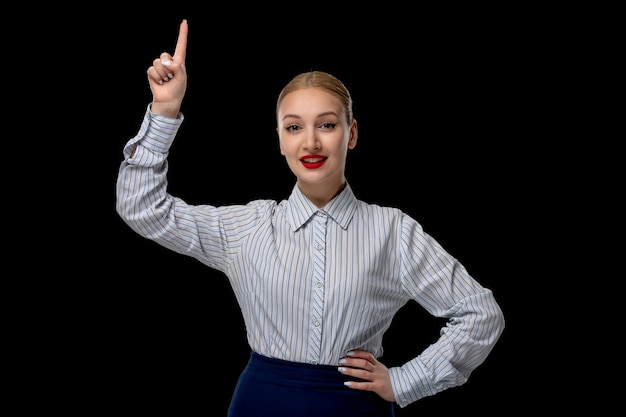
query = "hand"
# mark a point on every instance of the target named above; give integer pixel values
(168, 77)
(363, 365)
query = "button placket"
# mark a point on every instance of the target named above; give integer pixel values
(319, 268)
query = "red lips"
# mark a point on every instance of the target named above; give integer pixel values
(313, 161)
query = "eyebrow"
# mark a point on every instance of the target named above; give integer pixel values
(328, 113)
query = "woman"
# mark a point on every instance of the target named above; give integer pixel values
(319, 276)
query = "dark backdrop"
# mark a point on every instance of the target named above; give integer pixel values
(445, 134)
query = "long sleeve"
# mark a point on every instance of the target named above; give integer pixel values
(141, 190)
(439, 283)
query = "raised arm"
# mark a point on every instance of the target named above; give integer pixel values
(168, 77)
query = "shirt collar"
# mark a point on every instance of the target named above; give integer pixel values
(341, 208)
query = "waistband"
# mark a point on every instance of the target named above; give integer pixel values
(296, 371)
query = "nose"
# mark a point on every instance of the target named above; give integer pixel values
(311, 141)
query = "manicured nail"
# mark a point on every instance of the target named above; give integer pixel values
(350, 353)
(166, 62)
(347, 383)
(342, 361)
(341, 369)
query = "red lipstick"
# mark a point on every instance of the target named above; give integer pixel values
(313, 161)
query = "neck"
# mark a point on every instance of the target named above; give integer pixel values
(321, 195)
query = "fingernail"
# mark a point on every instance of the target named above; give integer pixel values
(347, 383)
(170, 75)
(166, 62)
(341, 369)
(350, 353)
(342, 361)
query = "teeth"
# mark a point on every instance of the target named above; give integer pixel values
(310, 161)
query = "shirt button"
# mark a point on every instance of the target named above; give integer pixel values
(316, 323)
(320, 247)
(319, 284)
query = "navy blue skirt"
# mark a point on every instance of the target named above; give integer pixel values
(276, 388)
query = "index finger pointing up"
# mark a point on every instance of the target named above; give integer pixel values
(181, 44)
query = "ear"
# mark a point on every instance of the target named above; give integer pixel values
(354, 135)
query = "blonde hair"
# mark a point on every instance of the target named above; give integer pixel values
(319, 79)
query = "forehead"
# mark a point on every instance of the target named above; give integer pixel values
(309, 101)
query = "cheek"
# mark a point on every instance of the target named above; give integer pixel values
(288, 148)
(281, 146)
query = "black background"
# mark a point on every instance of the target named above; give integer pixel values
(446, 133)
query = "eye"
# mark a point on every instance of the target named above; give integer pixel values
(292, 128)
(328, 126)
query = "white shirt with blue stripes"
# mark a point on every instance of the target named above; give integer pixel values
(314, 283)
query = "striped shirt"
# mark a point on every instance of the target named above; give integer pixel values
(314, 283)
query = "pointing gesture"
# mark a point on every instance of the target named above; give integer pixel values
(168, 77)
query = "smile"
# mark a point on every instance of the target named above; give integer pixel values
(313, 162)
